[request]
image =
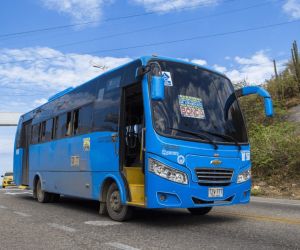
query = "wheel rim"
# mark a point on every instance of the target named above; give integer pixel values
(115, 201)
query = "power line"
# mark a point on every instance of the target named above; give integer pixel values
(169, 42)
(22, 89)
(199, 37)
(13, 35)
(163, 26)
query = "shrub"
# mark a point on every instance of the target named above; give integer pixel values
(275, 150)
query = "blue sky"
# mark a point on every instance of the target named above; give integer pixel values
(27, 79)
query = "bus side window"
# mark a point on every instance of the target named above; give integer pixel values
(61, 126)
(48, 129)
(35, 134)
(75, 121)
(42, 132)
(54, 128)
(69, 124)
(106, 112)
(85, 119)
(20, 136)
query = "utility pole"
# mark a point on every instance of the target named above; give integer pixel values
(277, 81)
(275, 69)
(295, 57)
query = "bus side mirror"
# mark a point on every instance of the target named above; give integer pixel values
(249, 91)
(2, 176)
(157, 88)
(261, 92)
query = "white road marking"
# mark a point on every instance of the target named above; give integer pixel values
(3, 207)
(62, 227)
(22, 214)
(102, 223)
(12, 193)
(121, 246)
(11, 189)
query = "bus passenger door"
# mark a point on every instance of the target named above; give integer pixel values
(131, 139)
(26, 135)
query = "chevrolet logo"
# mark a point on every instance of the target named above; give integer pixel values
(216, 162)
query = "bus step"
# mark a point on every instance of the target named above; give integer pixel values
(137, 194)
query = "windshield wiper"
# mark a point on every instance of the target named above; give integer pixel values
(197, 135)
(226, 137)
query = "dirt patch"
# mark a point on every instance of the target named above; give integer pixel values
(288, 189)
(294, 114)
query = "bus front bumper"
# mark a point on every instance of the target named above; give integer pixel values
(167, 194)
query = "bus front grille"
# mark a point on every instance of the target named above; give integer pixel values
(214, 176)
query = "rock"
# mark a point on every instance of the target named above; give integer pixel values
(262, 183)
(256, 187)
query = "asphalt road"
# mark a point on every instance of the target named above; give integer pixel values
(75, 224)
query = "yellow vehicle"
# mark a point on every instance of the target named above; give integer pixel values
(8, 180)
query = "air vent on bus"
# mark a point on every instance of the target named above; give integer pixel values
(214, 176)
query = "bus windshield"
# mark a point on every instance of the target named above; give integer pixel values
(194, 106)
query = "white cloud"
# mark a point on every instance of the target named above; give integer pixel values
(170, 5)
(255, 69)
(40, 101)
(199, 61)
(80, 11)
(292, 8)
(7, 136)
(30, 82)
(6, 143)
(219, 68)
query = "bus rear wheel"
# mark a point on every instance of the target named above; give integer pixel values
(200, 210)
(42, 196)
(115, 209)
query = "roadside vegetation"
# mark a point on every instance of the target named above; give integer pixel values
(275, 142)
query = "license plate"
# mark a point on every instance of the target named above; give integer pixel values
(215, 192)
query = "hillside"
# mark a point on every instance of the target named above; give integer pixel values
(275, 142)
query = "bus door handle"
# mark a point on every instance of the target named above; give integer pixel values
(114, 137)
(143, 139)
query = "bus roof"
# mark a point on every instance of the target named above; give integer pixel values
(144, 60)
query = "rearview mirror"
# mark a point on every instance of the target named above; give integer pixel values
(249, 90)
(157, 88)
(2, 176)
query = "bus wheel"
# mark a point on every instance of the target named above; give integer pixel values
(115, 209)
(42, 196)
(200, 210)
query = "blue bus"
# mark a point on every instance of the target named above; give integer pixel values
(154, 133)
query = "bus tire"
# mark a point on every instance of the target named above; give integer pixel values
(42, 196)
(200, 210)
(115, 209)
(102, 208)
(55, 197)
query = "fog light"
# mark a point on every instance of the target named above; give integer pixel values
(162, 197)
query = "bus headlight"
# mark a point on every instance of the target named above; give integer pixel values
(166, 172)
(244, 176)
